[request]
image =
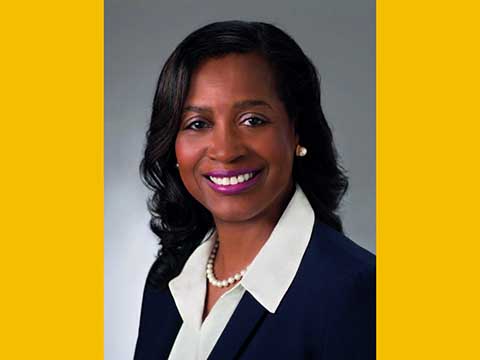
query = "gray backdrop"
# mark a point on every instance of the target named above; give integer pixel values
(338, 35)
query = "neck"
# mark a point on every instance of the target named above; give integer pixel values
(240, 242)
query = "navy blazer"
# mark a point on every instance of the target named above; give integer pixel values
(327, 313)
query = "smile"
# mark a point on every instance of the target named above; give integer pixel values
(230, 185)
(234, 180)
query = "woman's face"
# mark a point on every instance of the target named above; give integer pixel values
(235, 146)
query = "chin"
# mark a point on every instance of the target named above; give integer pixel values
(234, 215)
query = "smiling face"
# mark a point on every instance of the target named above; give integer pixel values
(235, 146)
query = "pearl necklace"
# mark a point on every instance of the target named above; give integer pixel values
(211, 276)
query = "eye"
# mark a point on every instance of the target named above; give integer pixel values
(253, 121)
(197, 125)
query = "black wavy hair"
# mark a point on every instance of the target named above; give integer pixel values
(179, 221)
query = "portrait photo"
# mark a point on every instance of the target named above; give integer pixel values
(239, 180)
(239, 191)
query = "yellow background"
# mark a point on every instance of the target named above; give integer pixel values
(427, 180)
(51, 148)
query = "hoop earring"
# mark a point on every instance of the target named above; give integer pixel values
(300, 151)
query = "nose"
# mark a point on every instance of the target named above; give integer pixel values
(226, 144)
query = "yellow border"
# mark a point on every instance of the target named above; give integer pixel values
(51, 146)
(51, 150)
(427, 182)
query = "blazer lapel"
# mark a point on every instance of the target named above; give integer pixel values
(248, 314)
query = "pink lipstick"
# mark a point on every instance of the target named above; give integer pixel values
(231, 182)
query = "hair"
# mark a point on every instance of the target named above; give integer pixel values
(181, 222)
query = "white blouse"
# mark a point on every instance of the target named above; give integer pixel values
(267, 279)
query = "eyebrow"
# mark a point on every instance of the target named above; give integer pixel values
(240, 105)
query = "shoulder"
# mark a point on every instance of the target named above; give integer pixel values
(334, 296)
(345, 291)
(154, 298)
(332, 252)
(156, 305)
(334, 271)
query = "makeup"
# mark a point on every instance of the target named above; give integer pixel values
(233, 181)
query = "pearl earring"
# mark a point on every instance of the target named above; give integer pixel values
(301, 151)
(177, 165)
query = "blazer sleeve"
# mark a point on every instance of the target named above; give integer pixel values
(352, 330)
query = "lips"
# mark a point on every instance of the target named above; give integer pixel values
(230, 182)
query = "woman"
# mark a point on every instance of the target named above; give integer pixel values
(252, 261)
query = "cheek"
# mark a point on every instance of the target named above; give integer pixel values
(188, 155)
(281, 150)
(186, 152)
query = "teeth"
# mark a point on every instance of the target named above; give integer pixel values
(234, 180)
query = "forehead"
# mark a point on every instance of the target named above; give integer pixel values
(232, 78)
